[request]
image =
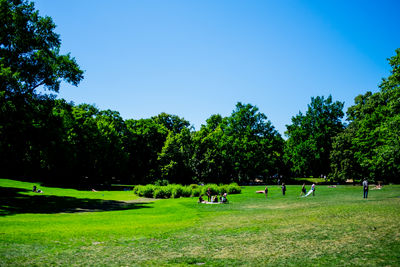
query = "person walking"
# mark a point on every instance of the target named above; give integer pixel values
(303, 190)
(365, 187)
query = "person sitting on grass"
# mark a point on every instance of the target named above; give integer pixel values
(215, 200)
(223, 198)
(201, 200)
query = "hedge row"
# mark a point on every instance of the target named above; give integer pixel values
(176, 190)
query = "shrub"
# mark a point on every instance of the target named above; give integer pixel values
(196, 192)
(234, 188)
(177, 191)
(162, 192)
(213, 188)
(187, 191)
(223, 189)
(136, 189)
(193, 186)
(146, 190)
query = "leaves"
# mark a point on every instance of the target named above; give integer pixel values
(310, 136)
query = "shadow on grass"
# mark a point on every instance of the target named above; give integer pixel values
(12, 201)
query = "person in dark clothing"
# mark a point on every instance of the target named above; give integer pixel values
(283, 188)
(303, 190)
(209, 194)
(266, 191)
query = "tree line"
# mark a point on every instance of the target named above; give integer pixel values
(58, 142)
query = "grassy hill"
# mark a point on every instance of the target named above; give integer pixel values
(116, 228)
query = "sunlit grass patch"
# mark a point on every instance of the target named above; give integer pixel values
(336, 227)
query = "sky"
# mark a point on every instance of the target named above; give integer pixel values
(196, 58)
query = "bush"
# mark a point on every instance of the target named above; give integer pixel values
(196, 192)
(223, 189)
(162, 192)
(234, 188)
(187, 191)
(145, 190)
(213, 188)
(176, 190)
(193, 186)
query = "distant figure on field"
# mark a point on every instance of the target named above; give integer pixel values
(303, 190)
(313, 189)
(209, 194)
(34, 188)
(223, 198)
(266, 191)
(283, 188)
(365, 187)
(201, 200)
(215, 199)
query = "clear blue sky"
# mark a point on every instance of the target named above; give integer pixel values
(198, 58)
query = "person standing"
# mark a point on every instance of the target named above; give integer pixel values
(283, 188)
(266, 191)
(303, 190)
(209, 194)
(365, 187)
(313, 189)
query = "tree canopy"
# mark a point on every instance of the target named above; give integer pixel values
(51, 140)
(370, 145)
(309, 142)
(30, 51)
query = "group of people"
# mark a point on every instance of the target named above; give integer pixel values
(223, 199)
(213, 199)
(36, 190)
(283, 188)
(312, 190)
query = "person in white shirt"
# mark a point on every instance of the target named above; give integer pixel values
(365, 187)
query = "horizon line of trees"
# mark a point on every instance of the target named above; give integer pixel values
(49, 139)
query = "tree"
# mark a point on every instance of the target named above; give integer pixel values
(210, 160)
(30, 51)
(373, 133)
(172, 122)
(144, 141)
(256, 147)
(309, 142)
(29, 59)
(237, 148)
(175, 158)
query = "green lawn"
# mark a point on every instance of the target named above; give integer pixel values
(115, 228)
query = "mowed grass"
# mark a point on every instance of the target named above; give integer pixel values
(64, 227)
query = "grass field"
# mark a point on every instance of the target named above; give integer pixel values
(67, 227)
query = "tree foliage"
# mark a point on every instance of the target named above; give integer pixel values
(371, 142)
(30, 51)
(309, 142)
(238, 148)
(55, 141)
